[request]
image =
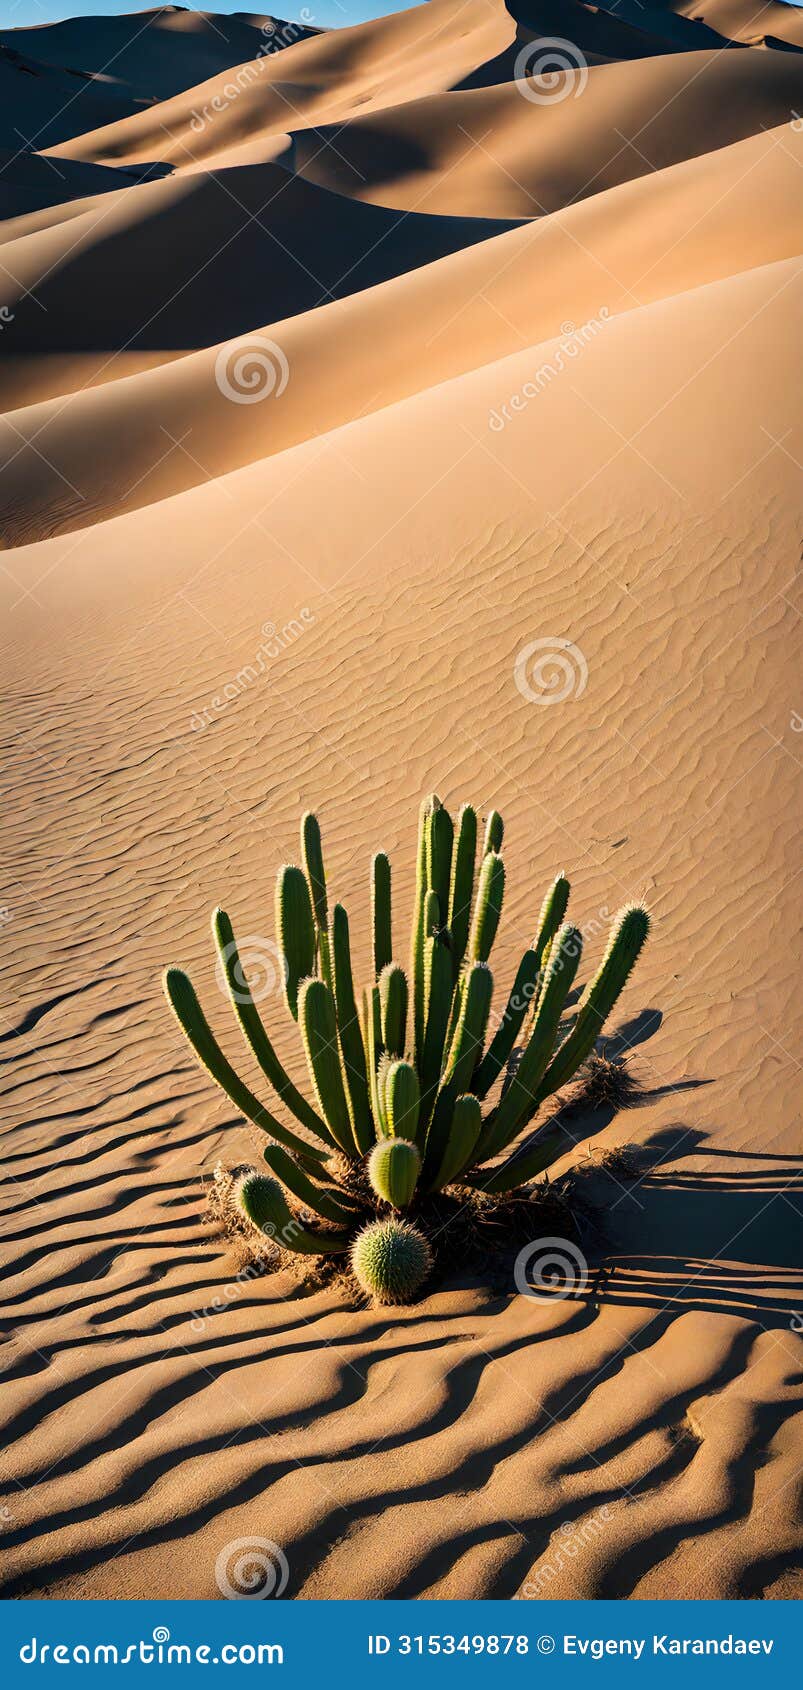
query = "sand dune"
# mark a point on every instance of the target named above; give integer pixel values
(466, 153)
(611, 253)
(582, 428)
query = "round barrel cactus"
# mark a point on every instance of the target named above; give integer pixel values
(391, 1259)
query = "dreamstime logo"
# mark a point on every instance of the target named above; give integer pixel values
(260, 970)
(550, 1269)
(6, 316)
(274, 36)
(548, 671)
(251, 369)
(274, 642)
(251, 1569)
(573, 341)
(796, 722)
(549, 70)
(566, 1545)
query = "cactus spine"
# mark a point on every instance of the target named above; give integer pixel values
(393, 1169)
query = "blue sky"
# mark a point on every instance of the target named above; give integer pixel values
(331, 13)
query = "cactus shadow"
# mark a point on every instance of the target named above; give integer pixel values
(723, 1229)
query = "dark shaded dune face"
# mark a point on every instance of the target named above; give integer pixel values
(307, 446)
(190, 262)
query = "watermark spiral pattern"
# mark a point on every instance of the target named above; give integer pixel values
(550, 670)
(259, 972)
(550, 1270)
(251, 1569)
(550, 70)
(252, 369)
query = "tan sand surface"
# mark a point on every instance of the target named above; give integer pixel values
(584, 427)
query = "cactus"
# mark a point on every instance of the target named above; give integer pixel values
(296, 931)
(490, 892)
(393, 1169)
(494, 833)
(403, 1087)
(316, 1017)
(402, 1100)
(391, 1260)
(393, 1002)
(263, 1202)
(312, 851)
(462, 884)
(348, 1027)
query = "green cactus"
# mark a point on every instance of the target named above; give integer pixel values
(295, 928)
(494, 833)
(393, 1169)
(348, 1026)
(516, 1104)
(318, 1023)
(181, 996)
(391, 1260)
(262, 1201)
(402, 1087)
(490, 893)
(393, 1002)
(627, 938)
(380, 911)
(462, 883)
(312, 851)
(402, 1100)
(417, 957)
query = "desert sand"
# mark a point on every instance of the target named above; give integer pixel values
(521, 368)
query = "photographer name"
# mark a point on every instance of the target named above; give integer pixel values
(598, 1647)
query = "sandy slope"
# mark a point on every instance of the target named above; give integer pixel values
(66, 462)
(641, 499)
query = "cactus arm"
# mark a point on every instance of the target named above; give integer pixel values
(323, 1200)
(462, 884)
(373, 1041)
(419, 932)
(393, 1001)
(494, 833)
(263, 1202)
(627, 937)
(499, 1050)
(402, 1099)
(467, 1040)
(440, 835)
(488, 908)
(471, 1027)
(254, 1031)
(381, 1093)
(517, 1104)
(393, 1169)
(524, 1164)
(295, 929)
(439, 974)
(381, 912)
(464, 1132)
(348, 1027)
(316, 1018)
(312, 851)
(181, 996)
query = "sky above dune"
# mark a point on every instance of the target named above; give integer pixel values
(329, 14)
